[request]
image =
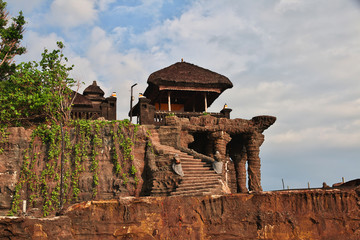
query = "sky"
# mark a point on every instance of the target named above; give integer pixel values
(297, 60)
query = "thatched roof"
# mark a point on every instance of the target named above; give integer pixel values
(189, 75)
(93, 89)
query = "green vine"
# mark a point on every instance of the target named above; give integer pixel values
(40, 175)
(3, 137)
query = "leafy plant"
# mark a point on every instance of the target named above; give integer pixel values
(38, 90)
(11, 34)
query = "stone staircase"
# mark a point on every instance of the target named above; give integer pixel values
(199, 177)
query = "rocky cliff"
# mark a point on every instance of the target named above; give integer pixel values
(110, 167)
(307, 214)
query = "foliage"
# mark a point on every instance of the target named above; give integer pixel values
(38, 90)
(11, 35)
(3, 138)
(123, 140)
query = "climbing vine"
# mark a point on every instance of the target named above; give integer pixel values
(123, 137)
(40, 176)
(3, 137)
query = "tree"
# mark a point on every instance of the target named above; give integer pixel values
(38, 91)
(10, 35)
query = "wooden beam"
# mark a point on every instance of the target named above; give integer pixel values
(193, 89)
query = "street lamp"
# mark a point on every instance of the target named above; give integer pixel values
(131, 100)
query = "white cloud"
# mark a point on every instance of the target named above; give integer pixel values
(25, 5)
(118, 71)
(69, 13)
(288, 5)
(36, 43)
(82, 72)
(104, 4)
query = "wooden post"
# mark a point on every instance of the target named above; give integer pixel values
(205, 102)
(169, 102)
(24, 206)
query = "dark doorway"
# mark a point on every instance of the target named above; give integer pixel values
(201, 143)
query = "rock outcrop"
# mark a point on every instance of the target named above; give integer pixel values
(286, 215)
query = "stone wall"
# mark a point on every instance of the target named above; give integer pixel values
(110, 184)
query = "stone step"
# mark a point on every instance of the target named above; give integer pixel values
(196, 164)
(191, 193)
(194, 188)
(193, 160)
(191, 169)
(200, 178)
(198, 184)
(199, 172)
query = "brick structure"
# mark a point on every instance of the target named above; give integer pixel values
(92, 104)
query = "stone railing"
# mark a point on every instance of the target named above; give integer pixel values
(159, 116)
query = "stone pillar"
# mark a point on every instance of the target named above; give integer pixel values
(226, 112)
(253, 149)
(239, 158)
(220, 139)
(111, 108)
(147, 111)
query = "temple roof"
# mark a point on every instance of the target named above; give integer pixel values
(93, 89)
(190, 75)
(185, 74)
(80, 100)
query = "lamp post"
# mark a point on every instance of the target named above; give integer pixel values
(131, 100)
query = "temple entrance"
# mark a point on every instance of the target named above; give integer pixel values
(201, 143)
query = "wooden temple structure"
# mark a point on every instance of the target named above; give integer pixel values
(182, 89)
(92, 104)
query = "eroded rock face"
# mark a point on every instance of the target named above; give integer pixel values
(309, 214)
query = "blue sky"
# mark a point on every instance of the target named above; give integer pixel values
(297, 60)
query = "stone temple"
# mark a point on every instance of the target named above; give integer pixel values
(210, 149)
(92, 104)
